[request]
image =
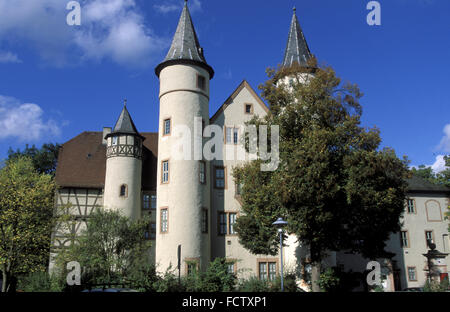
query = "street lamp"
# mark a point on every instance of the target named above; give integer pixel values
(280, 223)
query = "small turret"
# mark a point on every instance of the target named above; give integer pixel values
(123, 167)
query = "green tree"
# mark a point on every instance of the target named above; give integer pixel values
(44, 159)
(112, 249)
(440, 178)
(333, 185)
(26, 219)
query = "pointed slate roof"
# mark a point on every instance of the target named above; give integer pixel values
(124, 124)
(297, 49)
(185, 48)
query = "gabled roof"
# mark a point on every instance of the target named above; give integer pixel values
(242, 85)
(185, 46)
(297, 49)
(418, 184)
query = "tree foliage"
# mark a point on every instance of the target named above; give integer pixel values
(44, 159)
(26, 219)
(111, 248)
(334, 186)
(439, 178)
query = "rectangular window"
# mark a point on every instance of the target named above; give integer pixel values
(153, 202)
(222, 223)
(236, 135)
(231, 222)
(412, 276)
(146, 201)
(202, 173)
(151, 233)
(192, 266)
(165, 171)
(267, 270)
(238, 189)
(166, 130)
(228, 135)
(219, 177)
(230, 268)
(201, 82)
(205, 220)
(429, 237)
(263, 271)
(272, 271)
(114, 140)
(164, 220)
(404, 239)
(248, 108)
(227, 220)
(411, 207)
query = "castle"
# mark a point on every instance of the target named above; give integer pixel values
(194, 202)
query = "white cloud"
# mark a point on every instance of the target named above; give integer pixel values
(439, 164)
(24, 121)
(176, 6)
(9, 57)
(110, 29)
(444, 145)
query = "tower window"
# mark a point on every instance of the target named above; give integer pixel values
(164, 220)
(123, 190)
(204, 220)
(201, 82)
(219, 175)
(114, 140)
(167, 125)
(153, 202)
(202, 173)
(165, 172)
(146, 201)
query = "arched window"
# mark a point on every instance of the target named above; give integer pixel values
(123, 190)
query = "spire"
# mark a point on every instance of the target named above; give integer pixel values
(185, 48)
(297, 49)
(125, 124)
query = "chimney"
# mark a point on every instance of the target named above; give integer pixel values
(106, 131)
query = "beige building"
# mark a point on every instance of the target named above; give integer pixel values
(193, 200)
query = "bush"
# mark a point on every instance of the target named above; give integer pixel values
(40, 282)
(436, 286)
(253, 284)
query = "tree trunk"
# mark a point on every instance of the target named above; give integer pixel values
(5, 279)
(315, 276)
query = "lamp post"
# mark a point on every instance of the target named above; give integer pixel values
(280, 223)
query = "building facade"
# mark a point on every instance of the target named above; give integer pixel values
(193, 201)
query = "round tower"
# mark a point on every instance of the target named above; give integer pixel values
(123, 168)
(183, 186)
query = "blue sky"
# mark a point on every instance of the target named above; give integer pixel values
(57, 81)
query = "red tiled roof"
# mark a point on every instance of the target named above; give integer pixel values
(82, 161)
